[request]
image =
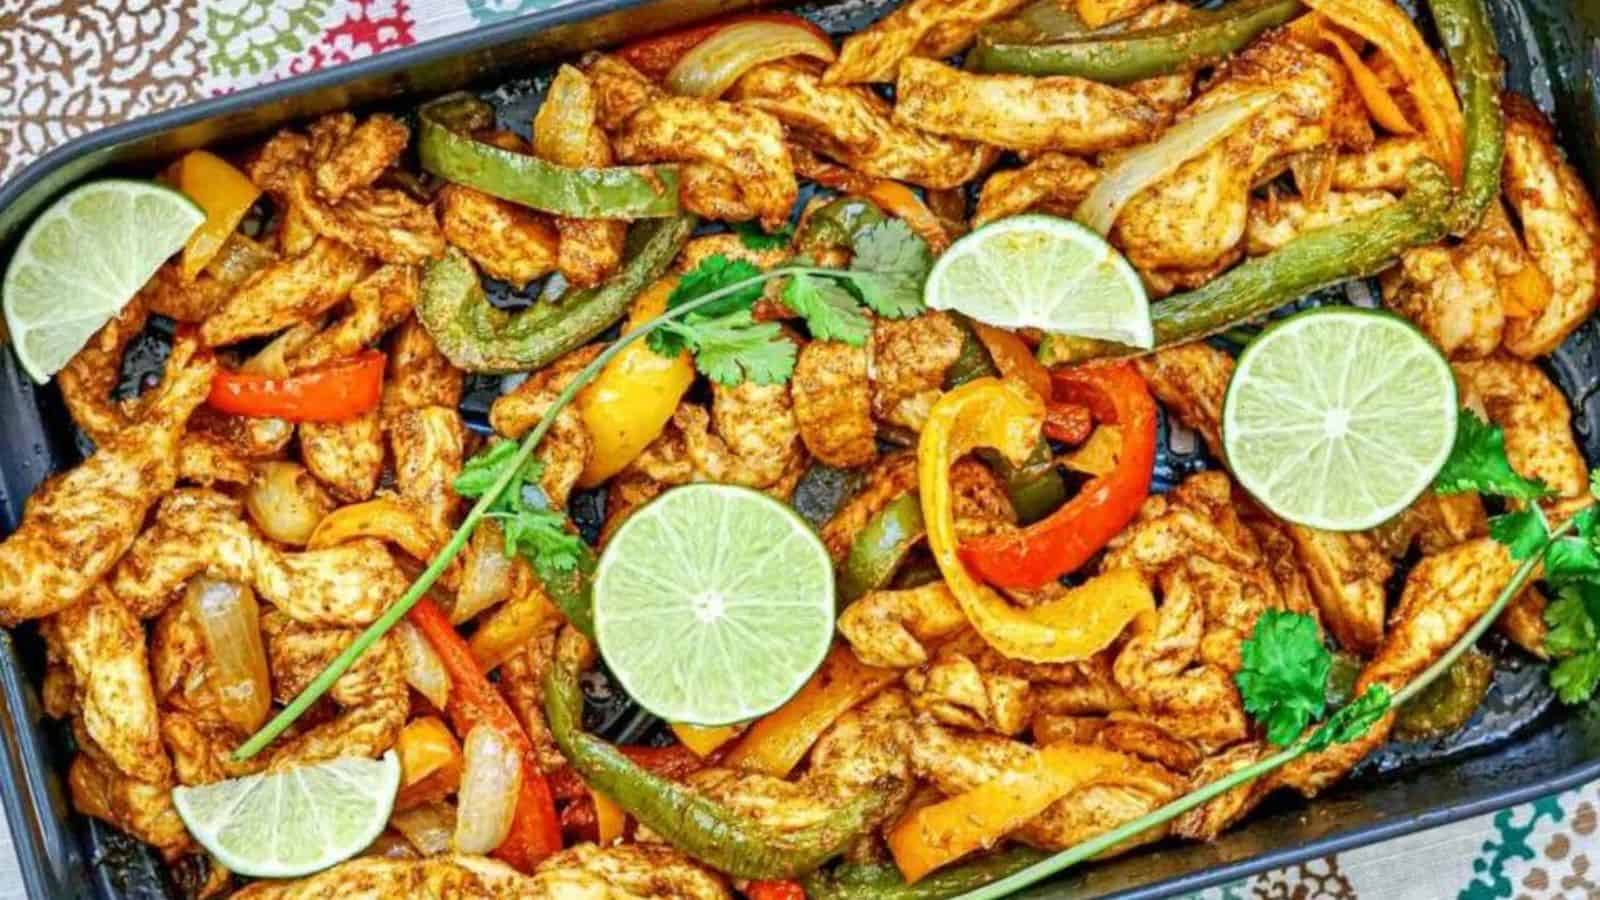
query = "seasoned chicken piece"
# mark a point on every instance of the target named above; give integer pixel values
(1205, 822)
(565, 449)
(169, 294)
(1144, 740)
(89, 378)
(956, 688)
(566, 132)
(372, 695)
(833, 403)
(1521, 399)
(620, 90)
(755, 439)
(1559, 224)
(889, 628)
(1053, 183)
(856, 127)
(429, 446)
(378, 303)
(381, 222)
(104, 646)
(1381, 168)
(1089, 689)
(246, 437)
(957, 762)
(507, 240)
(868, 746)
(742, 144)
(1345, 570)
(358, 155)
(1451, 293)
(347, 457)
(927, 28)
(522, 682)
(285, 293)
(1195, 217)
(627, 871)
(77, 524)
(142, 809)
(1277, 221)
(1020, 112)
(418, 374)
(906, 362)
(199, 531)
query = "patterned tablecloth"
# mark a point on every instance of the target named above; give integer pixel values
(71, 66)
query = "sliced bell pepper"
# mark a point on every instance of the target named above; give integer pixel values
(337, 392)
(775, 890)
(445, 149)
(225, 193)
(1379, 103)
(939, 834)
(882, 881)
(777, 742)
(881, 548)
(705, 740)
(1052, 547)
(535, 829)
(389, 519)
(654, 56)
(1007, 416)
(509, 628)
(1012, 357)
(610, 821)
(673, 762)
(633, 398)
(430, 762)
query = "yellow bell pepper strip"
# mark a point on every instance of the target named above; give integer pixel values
(705, 740)
(1379, 104)
(225, 193)
(609, 819)
(1007, 416)
(779, 740)
(632, 399)
(509, 628)
(430, 762)
(388, 519)
(1012, 357)
(937, 835)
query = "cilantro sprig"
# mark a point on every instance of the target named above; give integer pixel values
(532, 529)
(1478, 462)
(885, 276)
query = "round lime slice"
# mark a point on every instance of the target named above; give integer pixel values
(714, 604)
(1038, 271)
(1339, 418)
(83, 260)
(296, 822)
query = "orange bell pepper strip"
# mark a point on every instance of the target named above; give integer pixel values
(1013, 358)
(509, 628)
(225, 193)
(535, 828)
(1067, 538)
(777, 742)
(1373, 93)
(704, 740)
(337, 392)
(430, 762)
(1005, 415)
(609, 819)
(937, 835)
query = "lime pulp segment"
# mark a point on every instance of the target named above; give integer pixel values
(714, 604)
(1339, 418)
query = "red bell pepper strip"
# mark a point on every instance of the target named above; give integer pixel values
(675, 762)
(1070, 423)
(775, 890)
(655, 56)
(535, 829)
(337, 392)
(1063, 541)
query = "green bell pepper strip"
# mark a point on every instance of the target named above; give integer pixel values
(686, 819)
(836, 224)
(573, 592)
(476, 337)
(1357, 248)
(1115, 56)
(1446, 705)
(882, 881)
(619, 192)
(882, 547)
(1469, 42)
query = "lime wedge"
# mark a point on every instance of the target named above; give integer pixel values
(714, 604)
(1339, 418)
(1042, 272)
(295, 822)
(83, 260)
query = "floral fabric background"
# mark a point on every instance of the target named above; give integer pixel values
(68, 67)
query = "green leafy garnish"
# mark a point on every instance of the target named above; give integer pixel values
(1351, 721)
(753, 238)
(889, 267)
(733, 348)
(532, 529)
(1285, 674)
(1524, 532)
(1478, 463)
(830, 311)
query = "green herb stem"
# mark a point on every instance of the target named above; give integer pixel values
(1097, 845)
(364, 641)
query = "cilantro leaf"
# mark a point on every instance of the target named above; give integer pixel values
(479, 473)
(1570, 626)
(542, 537)
(714, 273)
(889, 267)
(830, 311)
(1352, 720)
(734, 348)
(753, 238)
(1478, 463)
(670, 338)
(1576, 677)
(1285, 674)
(1523, 532)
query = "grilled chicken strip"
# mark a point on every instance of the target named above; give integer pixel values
(79, 523)
(1020, 112)
(140, 808)
(927, 28)
(1275, 222)
(857, 127)
(378, 303)
(908, 359)
(88, 379)
(347, 457)
(351, 156)
(566, 132)
(1527, 405)
(833, 403)
(286, 293)
(506, 240)
(372, 695)
(1054, 183)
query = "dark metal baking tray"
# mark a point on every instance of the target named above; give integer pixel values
(1519, 747)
